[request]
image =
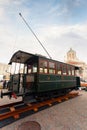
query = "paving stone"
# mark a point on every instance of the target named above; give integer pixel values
(68, 115)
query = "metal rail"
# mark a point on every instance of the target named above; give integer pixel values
(13, 112)
(11, 104)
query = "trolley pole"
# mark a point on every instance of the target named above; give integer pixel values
(35, 35)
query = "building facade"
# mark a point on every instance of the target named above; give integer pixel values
(72, 59)
(4, 71)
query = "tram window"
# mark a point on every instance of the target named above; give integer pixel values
(59, 69)
(43, 66)
(51, 65)
(14, 68)
(34, 69)
(69, 71)
(51, 71)
(43, 63)
(64, 71)
(21, 68)
(29, 71)
(29, 68)
(41, 70)
(73, 72)
(59, 72)
(25, 69)
(45, 70)
(77, 72)
(51, 68)
(17, 68)
(34, 66)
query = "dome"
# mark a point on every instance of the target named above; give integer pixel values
(71, 55)
(71, 51)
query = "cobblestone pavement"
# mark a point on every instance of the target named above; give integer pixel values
(68, 115)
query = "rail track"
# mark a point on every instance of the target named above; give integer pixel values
(14, 111)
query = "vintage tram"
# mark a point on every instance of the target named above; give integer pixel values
(38, 77)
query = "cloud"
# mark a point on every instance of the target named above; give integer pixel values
(72, 34)
(50, 23)
(77, 30)
(78, 2)
(58, 39)
(66, 10)
(1, 12)
(4, 2)
(2, 15)
(7, 2)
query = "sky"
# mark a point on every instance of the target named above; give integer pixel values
(58, 24)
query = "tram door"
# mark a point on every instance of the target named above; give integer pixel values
(29, 83)
(17, 83)
(30, 77)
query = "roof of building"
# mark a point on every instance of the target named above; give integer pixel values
(71, 50)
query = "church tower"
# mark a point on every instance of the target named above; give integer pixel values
(71, 55)
(73, 60)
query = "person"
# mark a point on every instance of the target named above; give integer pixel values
(4, 84)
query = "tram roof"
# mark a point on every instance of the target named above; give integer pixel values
(21, 57)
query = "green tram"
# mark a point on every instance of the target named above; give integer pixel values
(38, 76)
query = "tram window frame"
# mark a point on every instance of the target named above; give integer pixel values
(17, 68)
(21, 68)
(29, 69)
(43, 66)
(52, 67)
(73, 71)
(25, 69)
(69, 71)
(32, 68)
(76, 72)
(64, 69)
(41, 70)
(59, 69)
(45, 70)
(51, 71)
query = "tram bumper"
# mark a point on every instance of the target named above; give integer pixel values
(10, 94)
